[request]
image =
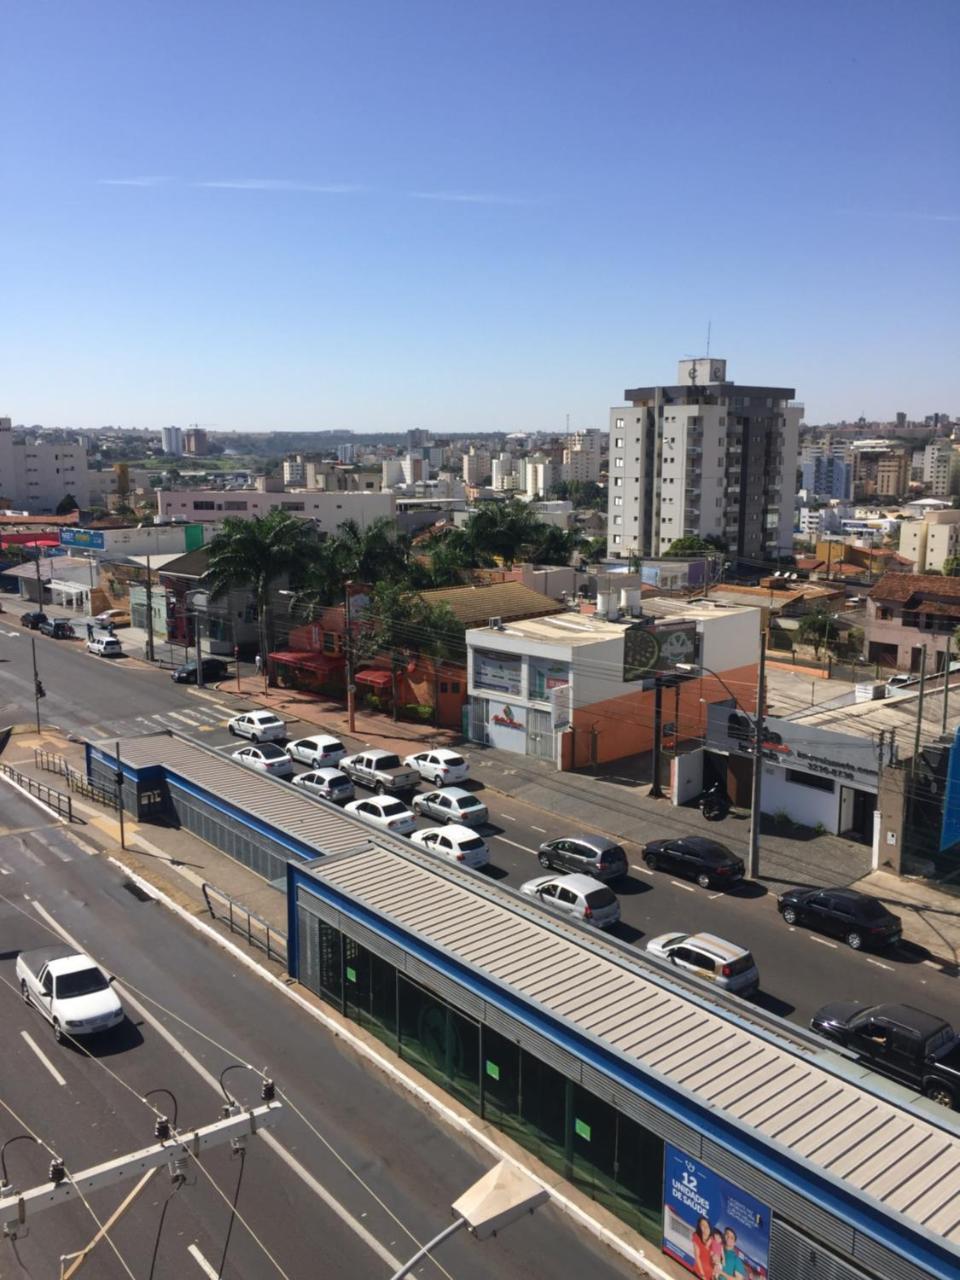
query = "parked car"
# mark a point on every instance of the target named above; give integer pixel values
(384, 811)
(32, 619)
(731, 967)
(439, 766)
(581, 897)
(59, 628)
(104, 646)
(859, 919)
(319, 750)
(896, 684)
(329, 784)
(592, 855)
(258, 726)
(455, 842)
(919, 1049)
(709, 863)
(186, 673)
(266, 758)
(72, 993)
(113, 618)
(381, 771)
(452, 804)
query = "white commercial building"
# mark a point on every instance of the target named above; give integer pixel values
(35, 475)
(328, 510)
(139, 540)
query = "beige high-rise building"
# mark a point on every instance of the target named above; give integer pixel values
(35, 475)
(930, 541)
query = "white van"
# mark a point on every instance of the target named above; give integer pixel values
(104, 646)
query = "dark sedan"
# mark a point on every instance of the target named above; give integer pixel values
(33, 619)
(186, 673)
(712, 865)
(859, 919)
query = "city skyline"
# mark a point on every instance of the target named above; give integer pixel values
(473, 222)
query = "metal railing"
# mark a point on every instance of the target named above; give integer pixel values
(51, 762)
(56, 800)
(247, 923)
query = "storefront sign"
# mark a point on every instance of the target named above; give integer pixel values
(93, 538)
(500, 671)
(797, 746)
(710, 1225)
(560, 704)
(546, 675)
(506, 725)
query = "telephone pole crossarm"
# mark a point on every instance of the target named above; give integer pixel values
(17, 1208)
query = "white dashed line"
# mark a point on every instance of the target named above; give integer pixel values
(509, 817)
(525, 848)
(542, 830)
(931, 964)
(201, 1262)
(43, 1057)
(646, 870)
(688, 887)
(711, 896)
(878, 963)
(823, 942)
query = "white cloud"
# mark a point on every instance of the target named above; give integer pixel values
(280, 184)
(133, 182)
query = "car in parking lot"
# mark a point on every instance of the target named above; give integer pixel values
(319, 750)
(439, 766)
(859, 919)
(384, 811)
(59, 628)
(712, 865)
(724, 963)
(452, 804)
(581, 897)
(186, 673)
(258, 726)
(381, 771)
(113, 618)
(595, 856)
(455, 842)
(329, 784)
(266, 758)
(104, 646)
(32, 619)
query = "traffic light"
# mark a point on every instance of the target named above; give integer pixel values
(39, 689)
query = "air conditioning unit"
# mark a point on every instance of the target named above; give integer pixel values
(495, 624)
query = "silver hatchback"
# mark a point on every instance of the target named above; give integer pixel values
(581, 897)
(451, 804)
(730, 966)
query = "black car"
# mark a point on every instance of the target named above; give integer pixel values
(32, 619)
(859, 919)
(59, 628)
(709, 863)
(186, 673)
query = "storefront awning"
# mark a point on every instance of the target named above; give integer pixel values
(307, 658)
(379, 678)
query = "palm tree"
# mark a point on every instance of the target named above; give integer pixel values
(257, 553)
(558, 546)
(378, 551)
(508, 530)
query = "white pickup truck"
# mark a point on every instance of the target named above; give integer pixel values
(71, 992)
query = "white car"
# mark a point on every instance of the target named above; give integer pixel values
(728, 965)
(72, 993)
(451, 804)
(581, 897)
(439, 766)
(319, 751)
(329, 784)
(384, 811)
(266, 758)
(457, 843)
(258, 726)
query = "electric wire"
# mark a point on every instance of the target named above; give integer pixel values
(163, 1213)
(242, 1153)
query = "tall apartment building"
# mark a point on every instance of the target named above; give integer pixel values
(171, 441)
(879, 471)
(703, 457)
(195, 442)
(476, 466)
(893, 474)
(35, 475)
(581, 457)
(345, 452)
(538, 476)
(939, 467)
(827, 476)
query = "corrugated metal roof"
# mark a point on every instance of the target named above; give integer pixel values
(323, 826)
(907, 1164)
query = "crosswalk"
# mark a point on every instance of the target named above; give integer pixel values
(200, 719)
(23, 851)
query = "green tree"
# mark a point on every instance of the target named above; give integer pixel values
(378, 551)
(257, 554)
(693, 545)
(819, 629)
(556, 546)
(400, 622)
(951, 567)
(67, 504)
(507, 530)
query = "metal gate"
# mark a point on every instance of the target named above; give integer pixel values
(540, 735)
(479, 713)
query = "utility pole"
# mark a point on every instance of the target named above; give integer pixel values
(656, 791)
(348, 653)
(946, 691)
(150, 654)
(753, 848)
(36, 564)
(118, 776)
(38, 689)
(923, 686)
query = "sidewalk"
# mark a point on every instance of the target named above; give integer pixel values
(931, 918)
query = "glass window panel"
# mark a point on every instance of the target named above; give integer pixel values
(543, 1110)
(639, 1175)
(331, 975)
(594, 1145)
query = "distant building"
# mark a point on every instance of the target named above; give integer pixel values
(908, 613)
(195, 442)
(582, 458)
(930, 541)
(328, 510)
(940, 462)
(35, 476)
(827, 476)
(171, 441)
(345, 452)
(476, 466)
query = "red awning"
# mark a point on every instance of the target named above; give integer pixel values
(376, 676)
(307, 658)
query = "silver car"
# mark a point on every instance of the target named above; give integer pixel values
(729, 966)
(581, 897)
(330, 784)
(452, 804)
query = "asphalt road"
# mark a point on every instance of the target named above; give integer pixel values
(799, 970)
(388, 1171)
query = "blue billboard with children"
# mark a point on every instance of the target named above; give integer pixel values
(717, 1231)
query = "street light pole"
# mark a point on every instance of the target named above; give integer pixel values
(38, 692)
(150, 652)
(753, 839)
(656, 790)
(348, 654)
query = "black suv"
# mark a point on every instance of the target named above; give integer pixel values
(186, 673)
(859, 919)
(709, 863)
(33, 619)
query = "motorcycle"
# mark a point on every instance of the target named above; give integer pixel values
(715, 803)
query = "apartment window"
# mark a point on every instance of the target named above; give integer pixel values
(722, 421)
(202, 505)
(618, 501)
(618, 442)
(618, 462)
(292, 506)
(618, 481)
(234, 506)
(620, 423)
(617, 539)
(618, 519)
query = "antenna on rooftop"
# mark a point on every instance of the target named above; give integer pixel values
(709, 324)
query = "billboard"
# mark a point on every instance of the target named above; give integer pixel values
(650, 650)
(710, 1226)
(93, 538)
(500, 671)
(795, 745)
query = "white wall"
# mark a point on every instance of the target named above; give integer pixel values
(730, 640)
(807, 805)
(328, 510)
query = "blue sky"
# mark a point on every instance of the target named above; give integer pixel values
(467, 217)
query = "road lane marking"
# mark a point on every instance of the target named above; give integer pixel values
(526, 848)
(646, 870)
(48, 844)
(162, 1030)
(878, 963)
(509, 817)
(179, 715)
(711, 896)
(688, 887)
(823, 942)
(542, 830)
(202, 1263)
(43, 1057)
